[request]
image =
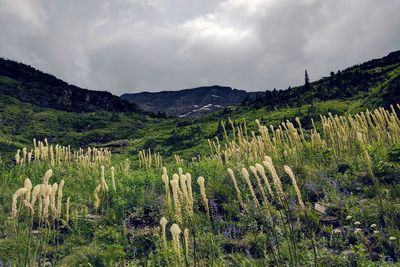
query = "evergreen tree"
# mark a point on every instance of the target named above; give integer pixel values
(306, 81)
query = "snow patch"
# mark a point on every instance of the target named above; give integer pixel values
(207, 107)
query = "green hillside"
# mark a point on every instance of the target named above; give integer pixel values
(339, 208)
(376, 82)
(308, 180)
(28, 111)
(21, 122)
(30, 85)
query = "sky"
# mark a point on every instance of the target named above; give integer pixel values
(152, 45)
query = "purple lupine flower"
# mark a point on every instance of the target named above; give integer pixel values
(214, 210)
(231, 232)
(335, 184)
(292, 203)
(273, 242)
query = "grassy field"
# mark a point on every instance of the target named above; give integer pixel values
(291, 194)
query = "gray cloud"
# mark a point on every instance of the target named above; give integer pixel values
(136, 45)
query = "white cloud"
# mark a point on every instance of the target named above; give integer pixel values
(25, 13)
(246, 8)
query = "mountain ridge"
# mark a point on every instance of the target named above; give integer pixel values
(190, 102)
(33, 86)
(377, 80)
(21, 121)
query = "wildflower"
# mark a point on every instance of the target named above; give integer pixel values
(46, 191)
(113, 178)
(357, 223)
(103, 182)
(180, 172)
(373, 225)
(260, 187)
(360, 138)
(40, 199)
(35, 194)
(357, 231)
(289, 171)
(28, 186)
(246, 177)
(17, 157)
(176, 231)
(15, 197)
(392, 238)
(261, 170)
(200, 181)
(53, 199)
(177, 204)
(59, 197)
(348, 218)
(376, 232)
(285, 153)
(239, 195)
(183, 187)
(214, 210)
(189, 188)
(275, 178)
(165, 179)
(163, 223)
(96, 197)
(186, 236)
(47, 176)
(29, 156)
(67, 211)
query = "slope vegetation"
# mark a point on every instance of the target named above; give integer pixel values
(33, 86)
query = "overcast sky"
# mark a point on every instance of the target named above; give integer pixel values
(152, 45)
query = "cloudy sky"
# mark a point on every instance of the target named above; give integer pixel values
(151, 45)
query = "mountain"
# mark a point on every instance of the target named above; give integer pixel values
(375, 82)
(25, 113)
(30, 85)
(188, 102)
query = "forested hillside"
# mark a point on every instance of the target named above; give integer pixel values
(29, 112)
(33, 86)
(377, 80)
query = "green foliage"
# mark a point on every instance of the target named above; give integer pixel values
(394, 154)
(376, 81)
(125, 229)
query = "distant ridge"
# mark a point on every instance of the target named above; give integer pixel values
(188, 102)
(30, 85)
(376, 82)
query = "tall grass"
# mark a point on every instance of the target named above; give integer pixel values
(251, 201)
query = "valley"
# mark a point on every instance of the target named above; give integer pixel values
(210, 176)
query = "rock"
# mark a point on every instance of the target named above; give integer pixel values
(330, 220)
(93, 217)
(347, 252)
(34, 232)
(117, 143)
(337, 231)
(321, 208)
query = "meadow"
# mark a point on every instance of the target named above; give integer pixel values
(310, 191)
